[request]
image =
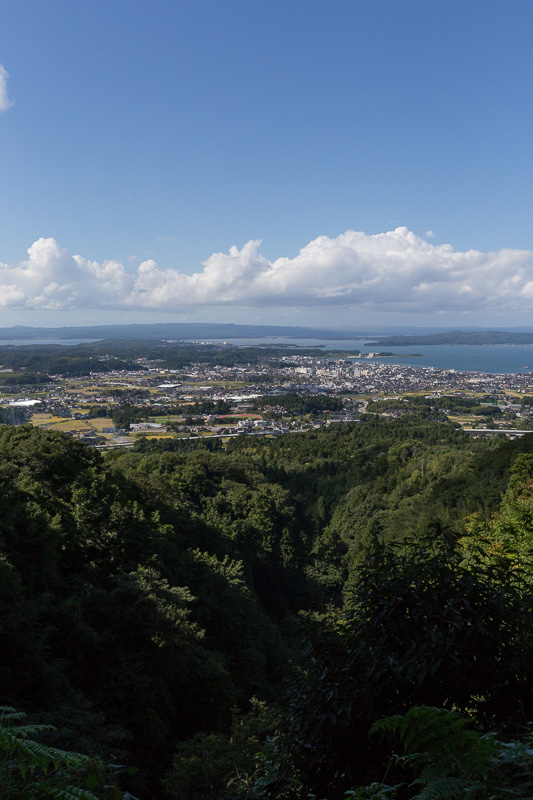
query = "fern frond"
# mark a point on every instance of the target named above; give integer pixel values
(75, 793)
(449, 788)
(387, 724)
(11, 714)
(43, 754)
(36, 767)
(375, 791)
(23, 731)
(451, 759)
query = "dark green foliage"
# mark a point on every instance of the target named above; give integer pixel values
(125, 414)
(24, 379)
(13, 415)
(31, 770)
(145, 445)
(148, 665)
(82, 359)
(144, 595)
(203, 407)
(426, 405)
(204, 765)
(256, 520)
(98, 411)
(421, 626)
(107, 604)
(450, 760)
(314, 404)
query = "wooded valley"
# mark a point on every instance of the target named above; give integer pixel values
(343, 613)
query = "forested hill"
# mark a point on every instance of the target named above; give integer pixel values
(455, 337)
(82, 359)
(182, 610)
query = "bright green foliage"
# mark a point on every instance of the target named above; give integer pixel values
(513, 525)
(509, 531)
(452, 761)
(30, 770)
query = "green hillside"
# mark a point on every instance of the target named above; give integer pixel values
(181, 609)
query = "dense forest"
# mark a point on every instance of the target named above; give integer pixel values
(343, 613)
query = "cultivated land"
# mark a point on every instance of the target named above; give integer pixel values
(116, 407)
(197, 560)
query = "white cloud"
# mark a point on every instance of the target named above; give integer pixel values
(5, 101)
(430, 235)
(393, 271)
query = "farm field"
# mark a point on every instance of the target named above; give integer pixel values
(98, 423)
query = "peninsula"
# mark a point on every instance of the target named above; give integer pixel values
(455, 337)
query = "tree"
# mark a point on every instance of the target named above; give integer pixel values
(421, 625)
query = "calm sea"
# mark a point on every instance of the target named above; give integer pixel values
(462, 357)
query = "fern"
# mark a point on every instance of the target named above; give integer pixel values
(376, 791)
(31, 770)
(443, 738)
(452, 761)
(9, 715)
(75, 793)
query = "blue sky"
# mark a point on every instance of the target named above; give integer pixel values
(144, 145)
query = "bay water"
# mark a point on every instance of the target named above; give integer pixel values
(490, 358)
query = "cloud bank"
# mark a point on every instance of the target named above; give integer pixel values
(393, 271)
(5, 102)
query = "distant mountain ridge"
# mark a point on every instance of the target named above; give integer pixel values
(172, 330)
(389, 335)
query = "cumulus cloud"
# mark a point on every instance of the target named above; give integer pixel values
(392, 271)
(5, 101)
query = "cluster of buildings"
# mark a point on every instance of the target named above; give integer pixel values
(355, 379)
(376, 377)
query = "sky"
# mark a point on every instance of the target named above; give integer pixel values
(284, 162)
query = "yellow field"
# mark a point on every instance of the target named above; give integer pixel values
(49, 419)
(67, 424)
(57, 424)
(38, 418)
(98, 422)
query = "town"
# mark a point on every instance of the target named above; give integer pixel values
(116, 408)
